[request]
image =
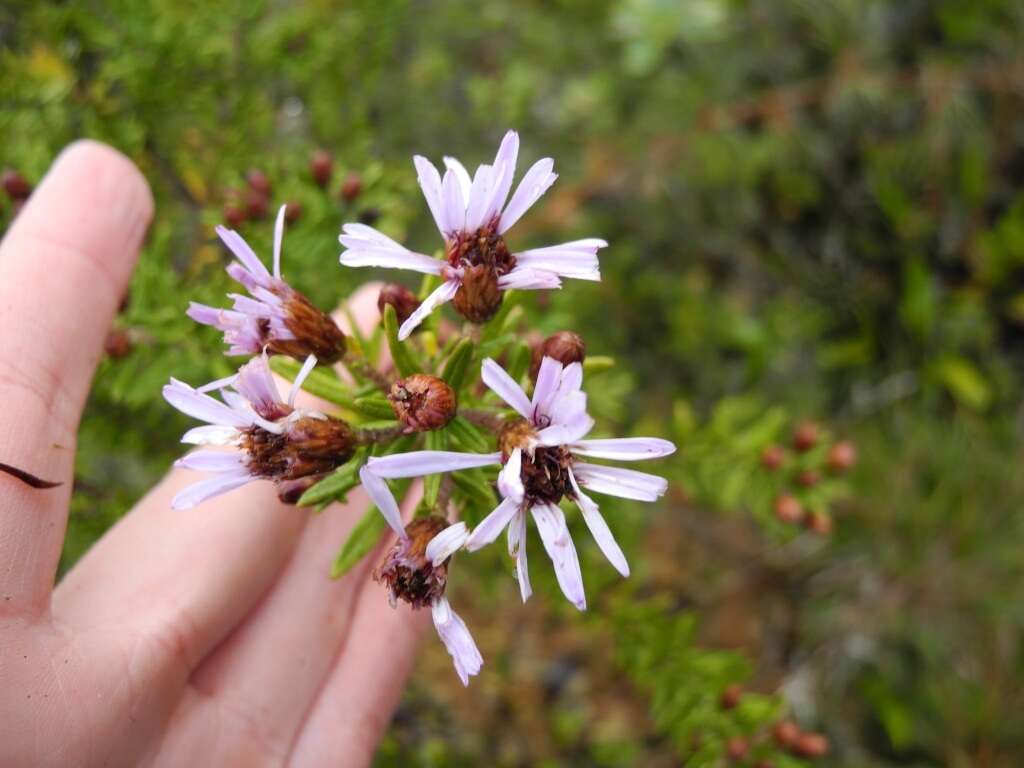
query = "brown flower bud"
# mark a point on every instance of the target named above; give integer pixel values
(819, 522)
(810, 745)
(290, 491)
(805, 436)
(478, 298)
(293, 212)
(809, 478)
(315, 332)
(772, 457)
(785, 733)
(401, 298)
(731, 697)
(406, 571)
(233, 215)
(258, 181)
(737, 747)
(256, 205)
(788, 509)
(320, 167)
(15, 185)
(118, 344)
(422, 402)
(564, 346)
(310, 445)
(842, 456)
(352, 187)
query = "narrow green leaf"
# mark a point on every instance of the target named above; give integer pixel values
(598, 364)
(436, 441)
(478, 490)
(465, 435)
(519, 361)
(360, 541)
(335, 486)
(374, 406)
(399, 352)
(456, 367)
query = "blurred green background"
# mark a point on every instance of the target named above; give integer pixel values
(815, 210)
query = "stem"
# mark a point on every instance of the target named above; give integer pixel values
(445, 494)
(490, 420)
(386, 435)
(358, 365)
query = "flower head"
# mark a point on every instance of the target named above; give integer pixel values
(542, 451)
(473, 215)
(422, 402)
(276, 440)
(274, 316)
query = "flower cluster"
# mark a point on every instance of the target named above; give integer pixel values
(540, 447)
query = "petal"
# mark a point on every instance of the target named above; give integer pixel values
(256, 385)
(204, 314)
(380, 495)
(517, 549)
(369, 248)
(300, 378)
(549, 377)
(615, 481)
(534, 184)
(555, 535)
(430, 183)
(568, 431)
(207, 489)
(599, 529)
(505, 164)
(625, 448)
(505, 387)
(241, 250)
(456, 638)
(577, 259)
(479, 198)
(488, 529)
(200, 406)
(462, 175)
(453, 207)
(212, 461)
(444, 293)
(446, 543)
(522, 279)
(510, 481)
(210, 435)
(278, 237)
(419, 463)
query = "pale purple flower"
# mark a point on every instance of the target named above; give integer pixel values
(473, 215)
(416, 571)
(252, 416)
(274, 317)
(541, 455)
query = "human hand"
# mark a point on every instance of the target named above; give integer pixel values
(211, 636)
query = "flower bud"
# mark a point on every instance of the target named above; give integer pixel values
(401, 298)
(809, 478)
(478, 298)
(233, 215)
(407, 572)
(737, 747)
(811, 745)
(785, 733)
(351, 188)
(772, 457)
(564, 346)
(422, 402)
(309, 445)
(258, 181)
(293, 212)
(320, 167)
(842, 456)
(118, 344)
(15, 185)
(256, 205)
(290, 491)
(805, 436)
(819, 522)
(788, 509)
(315, 333)
(731, 697)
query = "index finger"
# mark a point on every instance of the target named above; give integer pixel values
(64, 266)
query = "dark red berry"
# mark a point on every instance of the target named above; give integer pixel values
(118, 344)
(258, 181)
(234, 216)
(785, 733)
(352, 187)
(809, 478)
(293, 212)
(737, 747)
(15, 185)
(811, 745)
(788, 509)
(772, 457)
(320, 167)
(731, 697)
(256, 205)
(842, 456)
(805, 436)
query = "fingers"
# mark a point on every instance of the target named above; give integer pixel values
(64, 266)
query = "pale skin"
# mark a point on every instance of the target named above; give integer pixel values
(211, 636)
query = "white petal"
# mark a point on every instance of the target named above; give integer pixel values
(452, 206)
(616, 481)
(577, 259)
(462, 175)
(380, 495)
(599, 529)
(505, 387)
(510, 481)
(568, 431)
(211, 434)
(244, 254)
(549, 377)
(555, 535)
(443, 293)
(256, 384)
(200, 406)
(456, 638)
(419, 463)
(278, 237)
(534, 184)
(212, 461)
(625, 448)
(207, 489)
(369, 248)
(488, 529)
(307, 368)
(505, 165)
(517, 549)
(522, 279)
(446, 543)
(430, 183)
(479, 198)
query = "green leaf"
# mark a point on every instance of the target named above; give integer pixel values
(598, 364)
(360, 541)
(399, 352)
(519, 361)
(457, 365)
(374, 406)
(465, 435)
(436, 441)
(321, 382)
(478, 490)
(334, 487)
(963, 380)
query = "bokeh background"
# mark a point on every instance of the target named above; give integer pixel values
(816, 212)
